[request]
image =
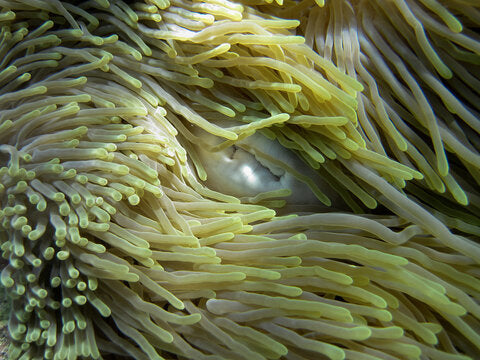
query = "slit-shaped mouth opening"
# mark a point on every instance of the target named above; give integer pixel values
(246, 170)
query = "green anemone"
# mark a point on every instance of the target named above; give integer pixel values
(241, 179)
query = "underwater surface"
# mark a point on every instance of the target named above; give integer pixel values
(256, 179)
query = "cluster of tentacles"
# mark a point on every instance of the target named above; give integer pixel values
(117, 241)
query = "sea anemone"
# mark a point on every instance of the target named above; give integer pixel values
(185, 179)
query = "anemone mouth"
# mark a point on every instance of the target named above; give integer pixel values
(257, 167)
(128, 229)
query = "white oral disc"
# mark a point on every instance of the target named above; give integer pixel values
(241, 173)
